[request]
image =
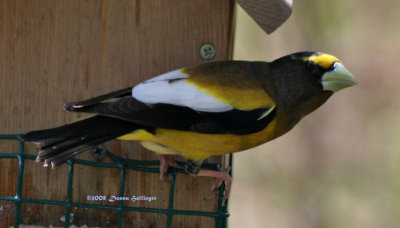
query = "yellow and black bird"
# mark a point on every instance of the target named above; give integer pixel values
(197, 112)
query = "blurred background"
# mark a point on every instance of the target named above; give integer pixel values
(340, 166)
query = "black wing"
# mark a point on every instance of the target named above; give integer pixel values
(177, 117)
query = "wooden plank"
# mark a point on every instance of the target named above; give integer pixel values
(52, 52)
(269, 14)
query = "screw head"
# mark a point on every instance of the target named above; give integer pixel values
(98, 152)
(207, 51)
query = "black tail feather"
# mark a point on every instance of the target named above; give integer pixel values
(57, 145)
(71, 106)
(49, 151)
(66, 155)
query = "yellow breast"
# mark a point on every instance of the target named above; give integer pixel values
(199, 146)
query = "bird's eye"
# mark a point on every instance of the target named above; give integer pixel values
(310, 66)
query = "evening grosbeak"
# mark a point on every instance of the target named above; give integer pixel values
(201, 111)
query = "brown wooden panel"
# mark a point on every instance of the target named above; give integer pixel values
(6, 212)
(95, 217)
(52, 52)
(34, 214)
(183, 221)
(145, 220)
(269, 14)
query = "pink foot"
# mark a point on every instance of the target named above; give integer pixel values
(221, 176)
(165, 162)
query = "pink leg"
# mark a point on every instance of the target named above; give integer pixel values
(165, 162)
(221, 176)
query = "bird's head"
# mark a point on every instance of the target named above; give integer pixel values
(305, 80)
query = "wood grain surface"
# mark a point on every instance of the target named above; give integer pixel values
(269, 14)
(52, 52)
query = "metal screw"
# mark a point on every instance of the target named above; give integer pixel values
(207, 51)
(98, 152)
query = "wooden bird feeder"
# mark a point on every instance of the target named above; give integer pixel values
(53, 52)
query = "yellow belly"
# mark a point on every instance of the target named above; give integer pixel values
(199, 146)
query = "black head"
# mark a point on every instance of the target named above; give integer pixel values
(305, 80)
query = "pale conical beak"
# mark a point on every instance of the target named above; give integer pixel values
(338, 78)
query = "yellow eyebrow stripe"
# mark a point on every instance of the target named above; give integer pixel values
(324, 60)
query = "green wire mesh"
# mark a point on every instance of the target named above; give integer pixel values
(123, 164)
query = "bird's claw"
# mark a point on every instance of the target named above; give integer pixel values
(221, 177)
(165, 162)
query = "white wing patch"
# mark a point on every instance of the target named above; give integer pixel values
(171, 88)
(173, 75)
(266, 113)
